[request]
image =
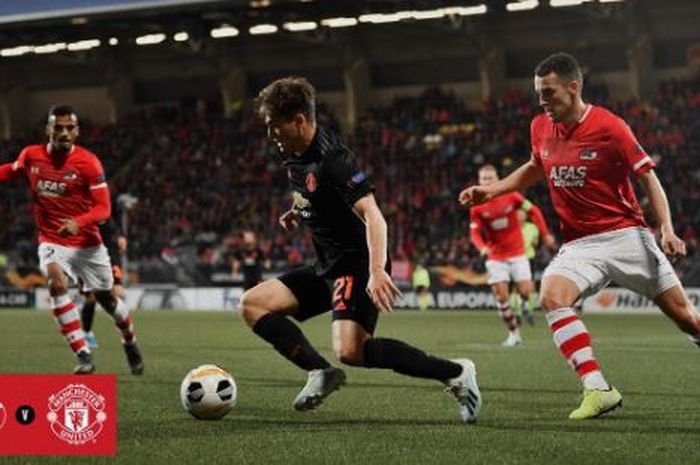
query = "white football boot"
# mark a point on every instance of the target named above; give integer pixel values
(320, 384)
(465, 389)
(513, 340)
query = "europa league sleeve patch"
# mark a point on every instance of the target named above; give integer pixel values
(58, 415)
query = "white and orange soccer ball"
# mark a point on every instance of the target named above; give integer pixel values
(208, 392)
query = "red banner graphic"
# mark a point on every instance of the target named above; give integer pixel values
(58, 415)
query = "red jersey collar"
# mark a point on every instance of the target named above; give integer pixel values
(70, 152)
(567, 130)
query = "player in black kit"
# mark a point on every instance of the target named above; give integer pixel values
(335, 200)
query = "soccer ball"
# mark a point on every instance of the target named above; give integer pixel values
(208, 392)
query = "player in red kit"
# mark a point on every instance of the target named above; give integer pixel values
(70, 198)
(587, 155)
(495, 232)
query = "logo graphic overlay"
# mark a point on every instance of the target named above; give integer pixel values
(58, 415)
(25, 414)
(76, 414)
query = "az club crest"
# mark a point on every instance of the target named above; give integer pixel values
(588, 155)
(77, 414)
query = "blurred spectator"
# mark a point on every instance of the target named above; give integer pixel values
(201, 179)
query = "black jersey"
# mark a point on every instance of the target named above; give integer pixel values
(327, 182)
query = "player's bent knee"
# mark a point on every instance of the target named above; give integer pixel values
(106, 300)
(250, 307)
(253, 305)
(551, 302)
(57, 288)
(349, 355)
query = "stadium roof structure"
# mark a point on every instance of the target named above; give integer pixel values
(43, 21)
(50, 43)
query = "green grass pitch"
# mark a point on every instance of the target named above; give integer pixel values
(381, 417)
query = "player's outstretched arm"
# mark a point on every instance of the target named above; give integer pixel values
(9, 171)
(380, 287)
(520, 179)
(671, 244)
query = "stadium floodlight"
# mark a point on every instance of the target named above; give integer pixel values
(224, 31)
(339, 22)
(150, 39)
(16, 51)
(522, 5)
(480, 9)
(263, 29)
(50, 48)
(83, 45)
(300, 26)
(381, 18)
(558, 3)
(181, 36)
(427, 14)
(113, 41)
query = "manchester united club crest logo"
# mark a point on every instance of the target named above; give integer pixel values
(311, 182)
(77, 414)
(3, 415)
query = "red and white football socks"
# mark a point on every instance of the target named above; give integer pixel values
(123, 321)
(508, 316)
(574, 343)
(68, 319)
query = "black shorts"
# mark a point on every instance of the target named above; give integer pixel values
(346, 296)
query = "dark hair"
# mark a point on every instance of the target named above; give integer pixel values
(285, 97)
(62, 110)
(563, 64)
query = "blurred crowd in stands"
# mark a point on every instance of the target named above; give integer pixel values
(201, 179)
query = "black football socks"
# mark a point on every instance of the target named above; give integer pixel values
(289, 341)
(407, 360)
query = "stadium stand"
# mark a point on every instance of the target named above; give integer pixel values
(201, 178)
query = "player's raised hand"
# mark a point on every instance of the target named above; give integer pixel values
(290, 219)
(474, 195)
(69, 227)
(672, 245)
(383, 291)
